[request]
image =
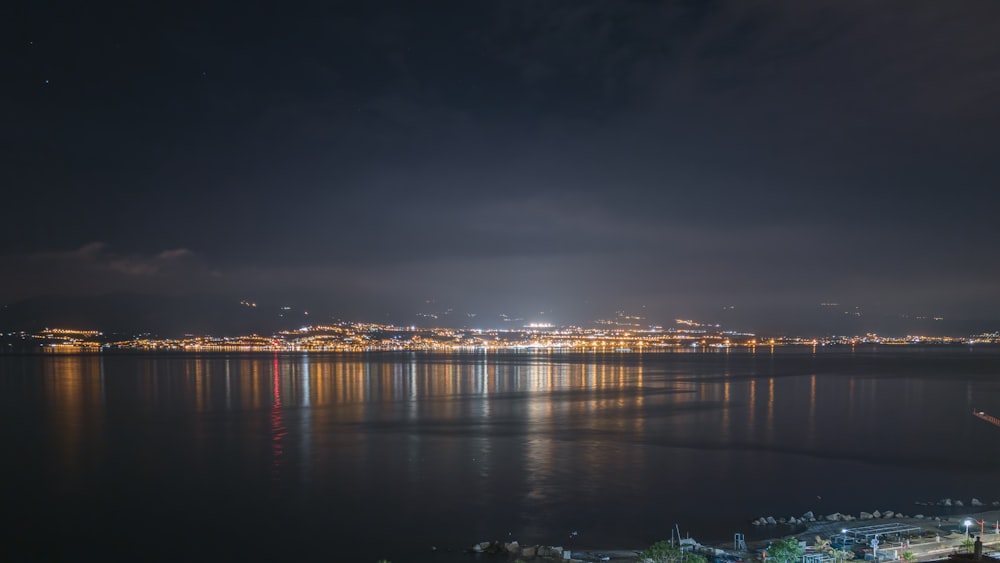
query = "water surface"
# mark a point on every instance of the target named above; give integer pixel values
(361, 457)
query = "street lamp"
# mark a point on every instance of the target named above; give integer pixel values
(967, 524)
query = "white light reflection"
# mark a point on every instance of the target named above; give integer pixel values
(305, 419)
(229, 395)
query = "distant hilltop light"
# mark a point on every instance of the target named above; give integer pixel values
(829, 304)
(538, 325)
(70, 332)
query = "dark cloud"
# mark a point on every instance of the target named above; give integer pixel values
(96, 268)
(579, 156)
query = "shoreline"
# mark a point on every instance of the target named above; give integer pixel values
(950, 528)
(939, 538)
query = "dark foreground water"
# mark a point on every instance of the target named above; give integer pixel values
(355, 458)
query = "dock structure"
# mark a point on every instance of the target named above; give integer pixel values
(987, 417)
(864, 534)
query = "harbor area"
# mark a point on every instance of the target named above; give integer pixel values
(896, 538)
(832, 539)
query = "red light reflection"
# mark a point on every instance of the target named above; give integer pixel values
(277, 427)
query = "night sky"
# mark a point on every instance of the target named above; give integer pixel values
(553, 161)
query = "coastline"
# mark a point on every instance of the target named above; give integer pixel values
(938, 538)
(950, 528)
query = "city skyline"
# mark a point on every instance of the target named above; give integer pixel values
(207, 315)
(738, 163)
(294, 330)
(684, 335)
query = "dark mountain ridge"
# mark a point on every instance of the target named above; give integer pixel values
(171, 316)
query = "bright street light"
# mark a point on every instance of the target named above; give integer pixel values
(967, 524)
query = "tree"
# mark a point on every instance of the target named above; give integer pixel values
(663, 552)
(787, 550)
(842, 555)
(822, 545)
(967, 543)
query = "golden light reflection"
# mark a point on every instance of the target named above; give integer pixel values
(74, 393)
(812, 408)
(850, 398)
(725, 408)
(770, 409)
(554, 399)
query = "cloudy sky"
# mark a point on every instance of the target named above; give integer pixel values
(383, 159)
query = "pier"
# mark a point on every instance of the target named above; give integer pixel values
(987, 417)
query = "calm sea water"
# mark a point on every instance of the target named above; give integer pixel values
(362, 457)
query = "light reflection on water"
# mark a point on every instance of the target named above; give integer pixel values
(277, 424)
(404, 450)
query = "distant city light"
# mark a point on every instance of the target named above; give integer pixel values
(367, 337)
